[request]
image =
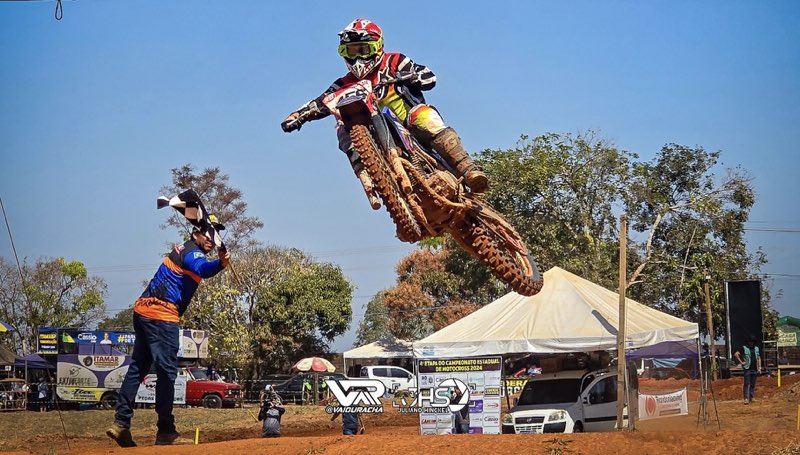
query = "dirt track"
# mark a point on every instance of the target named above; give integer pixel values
(767, 426)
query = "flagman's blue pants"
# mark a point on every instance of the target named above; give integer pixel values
(750, 384)
(156, 346)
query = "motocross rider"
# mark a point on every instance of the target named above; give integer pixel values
(361, 45)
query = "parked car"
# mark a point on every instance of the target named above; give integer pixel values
(254, 389)
(565, 402)
(201, 391)
(394, 378)
(291, 391)
(664, 373)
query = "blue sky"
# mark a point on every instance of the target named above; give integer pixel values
(98, 107)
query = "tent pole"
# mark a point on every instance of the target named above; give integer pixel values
(623, 266)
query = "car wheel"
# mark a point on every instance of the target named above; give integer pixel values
(212, 401)
(109, 400)
(578, 428)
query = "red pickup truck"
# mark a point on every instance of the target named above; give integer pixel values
(202, 391)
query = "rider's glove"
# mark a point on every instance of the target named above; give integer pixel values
(291, 123)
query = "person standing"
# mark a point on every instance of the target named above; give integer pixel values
(44, 394)
(751, 365)
(155, 320)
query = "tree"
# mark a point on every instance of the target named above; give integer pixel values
(375, 325)
(221, 199)
(283, 306)
(564, 194)
(693, 226)
(56, 293)
(122, 321)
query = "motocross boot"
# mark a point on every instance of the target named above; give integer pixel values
(448, 144)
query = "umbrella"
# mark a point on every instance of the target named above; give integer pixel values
(5, 327)
(314, 364)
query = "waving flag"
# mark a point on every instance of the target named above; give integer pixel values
(190, 206)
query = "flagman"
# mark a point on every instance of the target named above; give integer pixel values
(155, 320)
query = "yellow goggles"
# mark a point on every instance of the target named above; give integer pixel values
(362, 49)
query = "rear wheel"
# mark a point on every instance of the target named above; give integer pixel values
(408, 230)
(109, 400)
(489, 238)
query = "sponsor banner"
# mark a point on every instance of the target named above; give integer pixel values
(513, 385)
(459, 365)
(193, 344)
(101, 362)
(147, 390)
(664, 405)
(475, 406)
(481, 375)
(98, 337)
(787, 336)
(48, 340)
(491, 405)
(88, 395)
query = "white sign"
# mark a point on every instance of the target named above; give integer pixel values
(147, 390)
(665, 405)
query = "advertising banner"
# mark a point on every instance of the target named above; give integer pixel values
(481, 375)
(147, 389)
(193, 344)
(664, 405)
(48, 340)
(787, 336)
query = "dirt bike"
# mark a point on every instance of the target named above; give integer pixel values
(420, 190)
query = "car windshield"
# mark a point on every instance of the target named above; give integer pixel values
(550, 391)
(199, 374)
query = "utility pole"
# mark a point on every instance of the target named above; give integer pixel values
(623, 266)
(710, 328)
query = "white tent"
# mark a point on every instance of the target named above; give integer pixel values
(381, 349)
(569, 314)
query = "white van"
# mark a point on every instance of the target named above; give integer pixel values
(566, 402)
(394, 378)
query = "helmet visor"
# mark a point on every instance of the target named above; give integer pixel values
(363, 49)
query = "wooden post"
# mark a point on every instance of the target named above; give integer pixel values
(710, 330)
(623, 266)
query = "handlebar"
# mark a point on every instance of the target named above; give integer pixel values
(400, 78)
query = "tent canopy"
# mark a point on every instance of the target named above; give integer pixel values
(569, 314)
(33, 361)
(381, 349)
(7, 356)
(667, 349)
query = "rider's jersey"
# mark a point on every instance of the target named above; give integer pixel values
(400, 98)
(175, 282)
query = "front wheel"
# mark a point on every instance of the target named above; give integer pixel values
(489, 238)
(408, 230)
(212, 401)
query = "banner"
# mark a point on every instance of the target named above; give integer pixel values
(482, 377)
(787, 336)
(147, 389)
(193, 344)
(665, 405)
(48, 340)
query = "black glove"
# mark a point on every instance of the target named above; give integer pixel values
(291, 123)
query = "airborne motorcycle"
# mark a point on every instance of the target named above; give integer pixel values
(419, 189)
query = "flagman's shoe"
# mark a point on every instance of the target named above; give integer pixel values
(746, 401)
(173, 438)
(120, 435)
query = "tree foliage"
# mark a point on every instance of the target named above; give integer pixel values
(375, 324)
(283, 306)
(223, 200)
(56, 293)
(122, 321)
(564, 195)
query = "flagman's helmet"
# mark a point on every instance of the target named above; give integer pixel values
(361, 46)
